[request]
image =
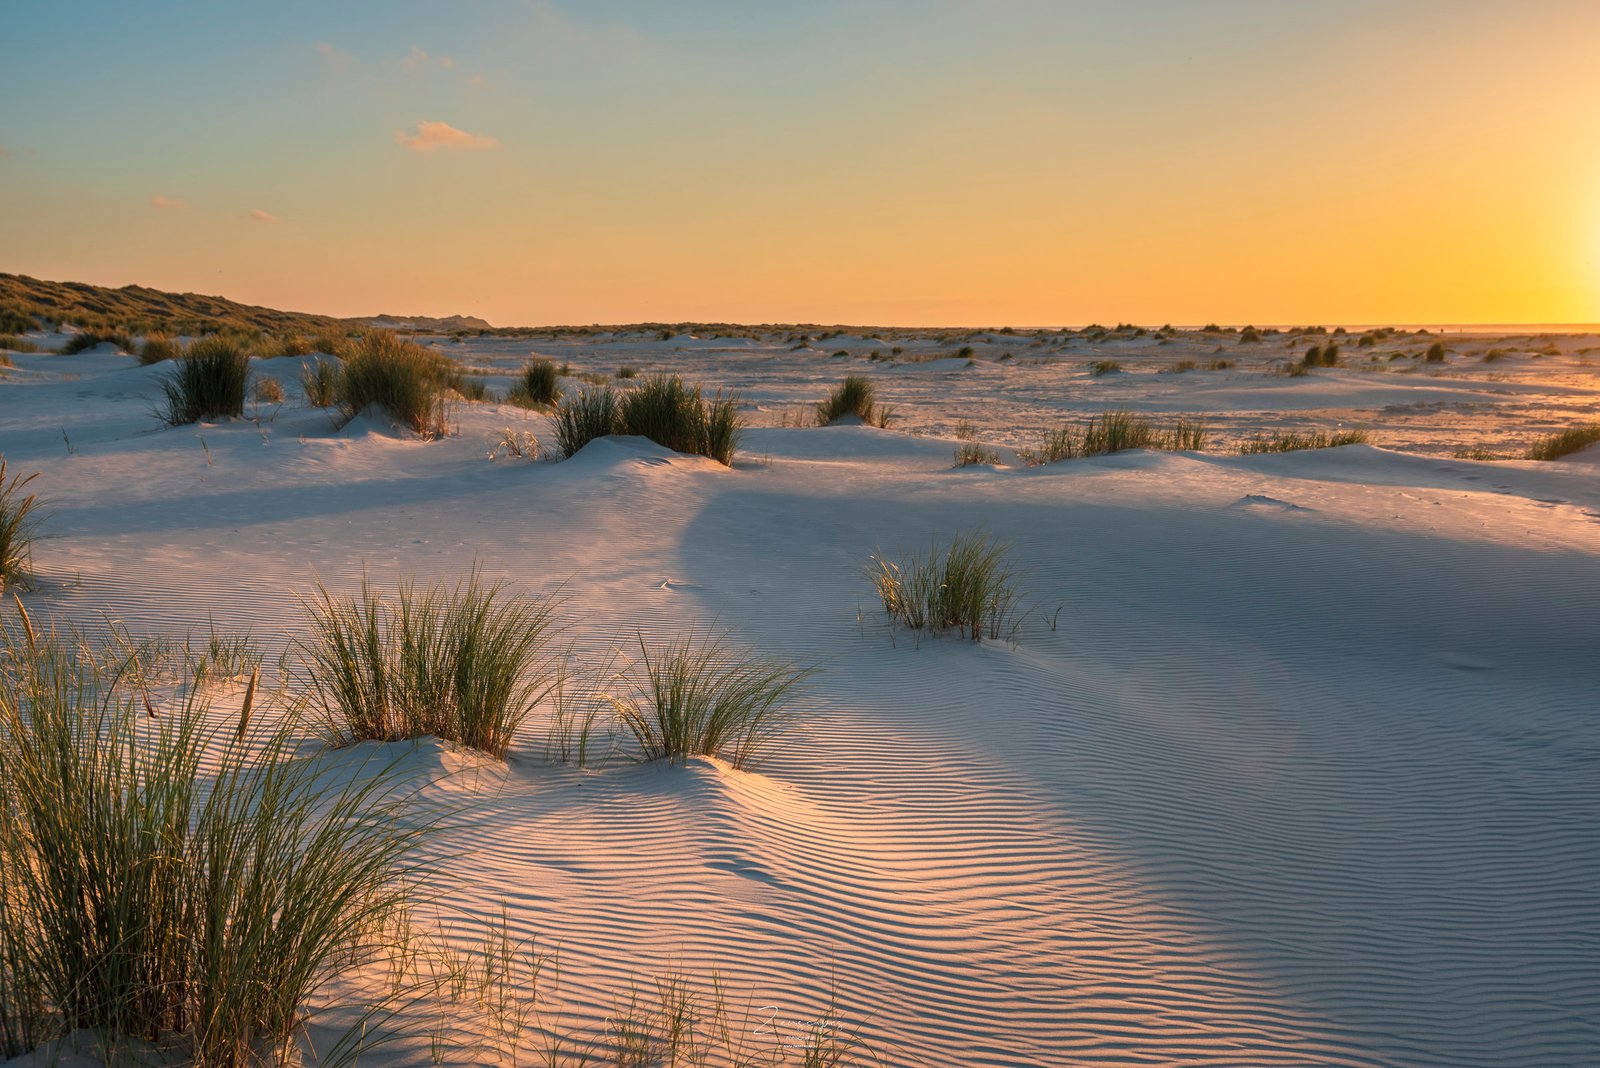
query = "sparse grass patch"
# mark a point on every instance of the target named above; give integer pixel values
(966, 587)
(705, 696)
(209, 381)
(1476, 452)
(18, 521)
(13, 343)
(143, 898)
(627, 371)
(1219, 365)
(1564, 442)
(1294, 441)
(971, 453)
(319, 380)
(1104, 367)
(405, 380)
(267, 390)
(1495, 354)
(464, 663)
(1183, 367)
(1435, 353)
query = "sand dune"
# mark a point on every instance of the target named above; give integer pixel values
(1291, 761)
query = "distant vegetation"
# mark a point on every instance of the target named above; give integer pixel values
(1116, 431)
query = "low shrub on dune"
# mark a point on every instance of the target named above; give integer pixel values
(162, 880)
(405, 380)
(1435, 353)
(464, 663)
(706, 697)
(17, 521)
(209, 381)
(965, 586)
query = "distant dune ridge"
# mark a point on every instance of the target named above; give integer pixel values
(142, 308)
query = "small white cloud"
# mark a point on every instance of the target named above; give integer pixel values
(262, 217)
(478, 81)
(337, 60)
(447, 62)
(166, 203)
(417, 59)
(431, 136)
(4, 151)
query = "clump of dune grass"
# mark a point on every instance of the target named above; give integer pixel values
(1294, 441)
(158, 347)
(209, 381)
(682, 418)
(1219, 365)
(319, 381)
(1249, 336)
(1058, 444)
(13, 343)
(1321, 356)
(18, 518)
(966, 586)
(404, 379)
(626, 371)
(590, 414)
(474, 390)
(1104, 367)
(1435, 353)
(464, 663)
(163, 881)
(1186, 435)
(538, 386)
(855, 396)
(702, 696)
(1476, 452)
(1183, 366)
(88, 340)
(1495, 354)
(1116, 431)
(1564, 442)
(970, 453)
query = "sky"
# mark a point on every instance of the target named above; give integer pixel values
(887, 162)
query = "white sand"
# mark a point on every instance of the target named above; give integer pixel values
(1304, 773)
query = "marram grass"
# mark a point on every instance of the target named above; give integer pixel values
(162, 880)
(966, 586)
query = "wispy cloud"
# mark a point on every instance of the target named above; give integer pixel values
(417, 59)
(338, 61)
(4, 151)
(260, 216)
(447, 62)
(166, 203)
(431, 136)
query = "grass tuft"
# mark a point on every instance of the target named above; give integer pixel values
(88, 340)
(1435, 353)
(966, 587)
(463, 663)
(319, 380)
(590, 414)
(682, 418)
(855, 396)
(159, 347)
(209, 381)
(539, 386)
(702, 696)
(1564, 443)
(18, 520)
(970, 453)
(404, 379)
